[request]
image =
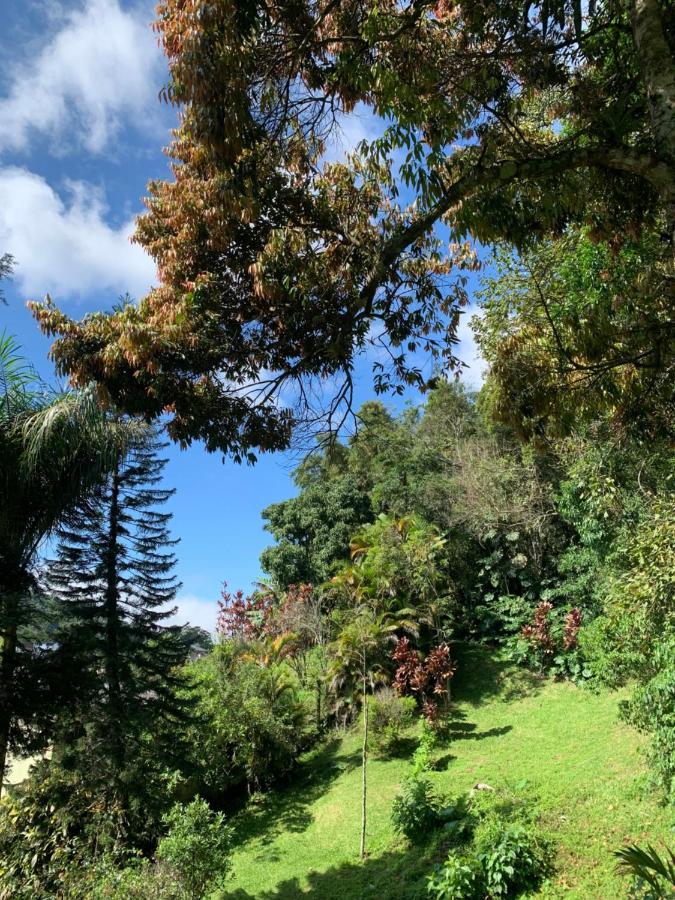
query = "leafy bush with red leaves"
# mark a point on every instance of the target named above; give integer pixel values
(244, 618)
(549, 641)
(425, 678)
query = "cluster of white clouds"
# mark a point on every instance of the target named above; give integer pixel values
(197, 611)
(67, 247)
(97, 74)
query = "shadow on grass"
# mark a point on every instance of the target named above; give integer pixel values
(482, 675)
(287, 808)
(466, 731)
(391, 876)
(402, 749)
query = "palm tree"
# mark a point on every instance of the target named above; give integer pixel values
(53, 447)
(357, 660)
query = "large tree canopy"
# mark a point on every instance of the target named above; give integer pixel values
(502, 119)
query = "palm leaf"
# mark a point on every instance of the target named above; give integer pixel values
(647, 864)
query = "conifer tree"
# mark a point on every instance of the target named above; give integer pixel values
(117, 659)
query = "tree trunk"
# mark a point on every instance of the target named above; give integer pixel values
(658, 73)
(318, 704)
(364, 762)
(7, 665)
(112, 663)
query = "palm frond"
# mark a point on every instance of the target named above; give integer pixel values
(75, 425)
(647, 864)
(20, 385)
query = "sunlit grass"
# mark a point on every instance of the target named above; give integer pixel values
(561, 746)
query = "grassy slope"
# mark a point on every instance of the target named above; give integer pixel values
(567, 743)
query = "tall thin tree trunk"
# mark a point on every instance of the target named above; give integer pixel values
(112, 665)
(364, 762)
(7, 665)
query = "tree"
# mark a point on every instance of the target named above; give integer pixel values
(6, 269)
(357, 655)
(117, 658)
(53, 448)
(577, 329)
(512, 120)
(313, 530)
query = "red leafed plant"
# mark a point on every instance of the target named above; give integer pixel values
(245, 618)
(424, 678)
(571, 631)
(538, 633)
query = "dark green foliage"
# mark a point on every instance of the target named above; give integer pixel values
(390, 715)
(51, 828)
(249, 726)
(196, 846)
(116, 661)
(53, 447)
(652, 709)
(502, 852)
(313, 530)
(514, 857)
(416, 810)
(460, 877)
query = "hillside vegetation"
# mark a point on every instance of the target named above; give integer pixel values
(583, 770)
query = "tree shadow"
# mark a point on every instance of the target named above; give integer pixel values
(466, 731)
(442, 763)
(482, 674)
(403, 748)
(287, 808)
(396, 875)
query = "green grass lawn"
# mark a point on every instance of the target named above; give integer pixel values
(559, 744)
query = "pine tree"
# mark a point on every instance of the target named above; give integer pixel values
(117, 660)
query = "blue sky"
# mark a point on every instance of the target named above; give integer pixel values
(81, 133)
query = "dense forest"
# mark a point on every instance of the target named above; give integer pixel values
(456, 675)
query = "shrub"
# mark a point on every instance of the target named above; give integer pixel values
(503, 852)
(421, 760)
(389, 715)
(197, 846)
(50, 828)
(514, 857)
(460, 877)
(416, 810)
(140, 880)
(652, 710)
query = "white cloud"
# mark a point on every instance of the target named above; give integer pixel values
(196, 611)
(102, 68)
(67, 248)
(468, 351)
(352, 128)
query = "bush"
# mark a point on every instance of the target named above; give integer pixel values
(421, 760)
(514, 857)
(249, 725)
(652, 710)
(416, 810)
(52, 827)
(141, 880)
(503, 852)
(197, 846)
(460, 877)
(389, 715)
